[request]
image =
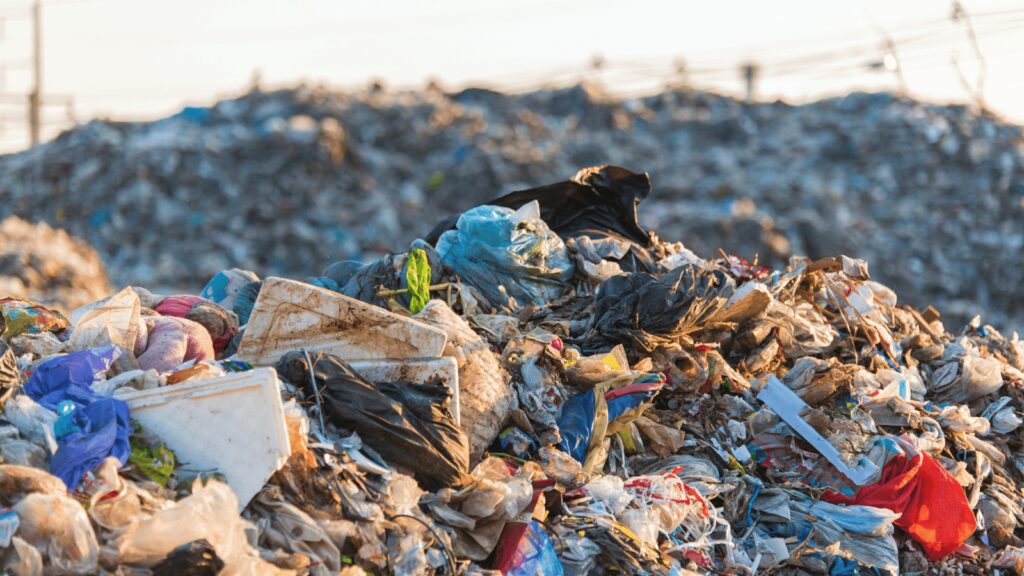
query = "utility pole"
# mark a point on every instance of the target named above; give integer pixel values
(750, 71)
(35, 98)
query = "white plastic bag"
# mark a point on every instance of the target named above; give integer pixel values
(33, 422)
(113, 320)
(211, 512)
(59, 528)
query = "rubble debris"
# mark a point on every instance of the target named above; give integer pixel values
(49, 265)
(677, 415)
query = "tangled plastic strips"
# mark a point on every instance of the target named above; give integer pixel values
(697, 519)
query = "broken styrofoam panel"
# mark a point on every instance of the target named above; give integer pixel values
(290, 315)
(233, 425)
(417, 371)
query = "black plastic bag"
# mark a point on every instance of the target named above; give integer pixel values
(197, 558)
(599, 202)
(649, 311)
(409, 425)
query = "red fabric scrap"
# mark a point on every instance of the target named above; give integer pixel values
(933, 507)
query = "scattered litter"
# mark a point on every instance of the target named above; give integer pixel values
(542, 386)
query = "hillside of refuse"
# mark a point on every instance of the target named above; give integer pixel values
(288, 182)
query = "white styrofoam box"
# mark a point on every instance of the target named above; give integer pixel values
(233, 424)
(290, 315)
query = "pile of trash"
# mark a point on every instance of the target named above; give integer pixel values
(538, 386)
(285, 181)
(49, 264)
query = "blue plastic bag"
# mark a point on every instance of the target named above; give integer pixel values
(104, 430)
(70, 377)
(494, 248)
(93, 427)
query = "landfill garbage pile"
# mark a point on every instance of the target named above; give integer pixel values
(538, 386)
(49, 264)
(288, 181)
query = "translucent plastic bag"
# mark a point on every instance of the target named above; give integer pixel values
(59, 528)
(113, 320)
(211, 512)
(511, 256)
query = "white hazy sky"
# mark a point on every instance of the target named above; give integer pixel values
(140, 59)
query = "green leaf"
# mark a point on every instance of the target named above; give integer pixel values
(417, 276)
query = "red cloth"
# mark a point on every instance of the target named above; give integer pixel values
(177, 306)
(934, 507)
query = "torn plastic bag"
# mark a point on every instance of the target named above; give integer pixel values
(649, 311)
(599, 202)
(197, 558)
(661, 439)
(70, 377)
(210, 513)
(1003, 418)
(533, 552)
(802, 329)
(408, 425)
(541, 395)
(284, 526)
(113, 320)
(100, 426)
(21, 559)
(860, 533)
(59, 528)
(510, 256)
(588, 418)
(695, 471)
(393, 272)
(16, 482)
(22, 452)
(103, 430)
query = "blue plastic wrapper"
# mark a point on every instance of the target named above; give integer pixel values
(618, 406)
(494, 247)
(92, 427)
(535, 554)
(577, 424)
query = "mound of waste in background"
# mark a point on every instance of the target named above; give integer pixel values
(287, 182)
(49, 265)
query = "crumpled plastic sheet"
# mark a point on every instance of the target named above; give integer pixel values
(510, 256)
